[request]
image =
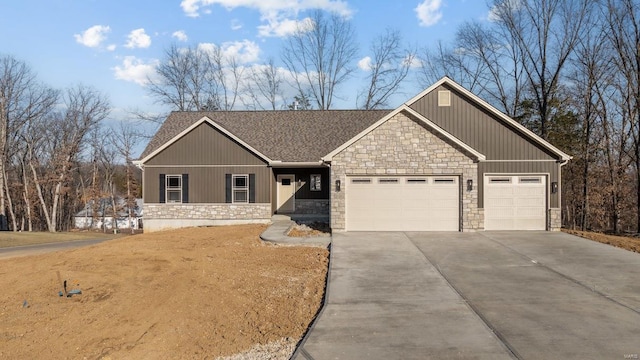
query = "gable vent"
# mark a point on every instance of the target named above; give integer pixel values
(444, 98)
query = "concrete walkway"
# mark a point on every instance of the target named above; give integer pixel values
(279, 228)
(488, 295)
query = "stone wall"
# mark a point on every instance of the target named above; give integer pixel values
(166, 216)
(555, 219)
(404, 146)
(312, 206)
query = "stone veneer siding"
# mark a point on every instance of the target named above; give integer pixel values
(403, 146)
(173, 215)
(555, 219)
(312, 206)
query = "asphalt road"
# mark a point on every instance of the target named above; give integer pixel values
(11, 252)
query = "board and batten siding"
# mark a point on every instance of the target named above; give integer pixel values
(548, 168)
(207, 184)
(478, 128)
(205, 145)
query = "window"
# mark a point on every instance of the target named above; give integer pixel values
(444, 181)
(315, 184)
(240, 188)
(174, 188)
(506, 180)
(416, 181)
(361, 181)
(387, 181)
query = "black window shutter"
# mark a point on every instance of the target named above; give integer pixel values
(185, 188)
(252, 188)
(163, 184)
(227, 188)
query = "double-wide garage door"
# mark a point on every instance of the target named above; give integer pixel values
(514, 202)
(402, 203)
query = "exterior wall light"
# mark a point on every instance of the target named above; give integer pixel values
(469, 185)
(554, 187)
(337, 185)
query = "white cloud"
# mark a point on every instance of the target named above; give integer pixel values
(236, 24)
(138, 39)
(428, 12)
(93, 36)
(180, 35)
(193, 8)
(111, 47)
(285, 27)
(504, 6)
(244, 51)
(135, 70)
(365, 63)
(279, 15)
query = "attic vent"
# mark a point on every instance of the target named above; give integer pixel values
(444, 98)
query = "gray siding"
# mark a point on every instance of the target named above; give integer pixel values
(478, 128)
(205, 145)
(207, 184)
(543, 167)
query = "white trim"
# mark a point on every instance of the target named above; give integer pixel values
(491, 109)
(541, 160)
(235, 188)
(195, 125)
(414, 113)
(290, 164)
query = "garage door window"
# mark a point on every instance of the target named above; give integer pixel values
(416, 181)
(529, 180)
(361, 181)
(444, 181)
(500, 180)
(388, 181)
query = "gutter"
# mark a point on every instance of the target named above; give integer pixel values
(296, 164)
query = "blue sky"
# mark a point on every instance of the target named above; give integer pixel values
(113, 45)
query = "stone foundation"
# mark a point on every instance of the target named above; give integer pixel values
(555, 219)
(312, 206)
(169, 216)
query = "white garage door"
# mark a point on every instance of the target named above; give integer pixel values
(514, 203)
(402, 203)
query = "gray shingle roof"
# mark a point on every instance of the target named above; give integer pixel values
(285, 135)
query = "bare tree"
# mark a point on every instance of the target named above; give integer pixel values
(124, 138)
(545, 34)
(62, 137)
(624, 31)
(388, 67)
(22, 99)
(264, 86)
(320, 56)
(196, 78)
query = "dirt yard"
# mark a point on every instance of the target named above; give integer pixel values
(625, 242)
(194, 293)
(10, 238)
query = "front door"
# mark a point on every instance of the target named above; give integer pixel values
(286, 193)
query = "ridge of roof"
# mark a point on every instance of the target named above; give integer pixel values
(281, 135)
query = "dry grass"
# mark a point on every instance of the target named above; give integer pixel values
(625, 242)
(10, 238)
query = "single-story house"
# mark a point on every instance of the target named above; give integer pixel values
(103, 217)
(443, 161)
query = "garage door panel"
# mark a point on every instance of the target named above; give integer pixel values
(515, 202)
(402, 203)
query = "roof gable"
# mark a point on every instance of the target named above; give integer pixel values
(276, 136)
(511, 124)
(404, 108)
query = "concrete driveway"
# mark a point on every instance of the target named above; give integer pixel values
(485, 295)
